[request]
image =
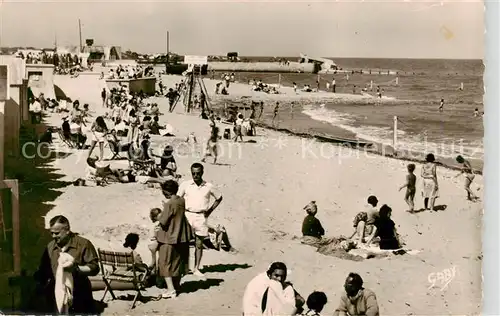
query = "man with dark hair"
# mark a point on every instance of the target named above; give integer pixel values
(171, 96)
(197, 193)
(357, 300)
(84, 264)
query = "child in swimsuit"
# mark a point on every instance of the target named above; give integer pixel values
(469, 177)
(154, 215)
(411, 179)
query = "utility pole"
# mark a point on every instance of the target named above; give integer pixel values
(80, 31)
(168, 51)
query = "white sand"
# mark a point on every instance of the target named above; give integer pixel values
(264, 189)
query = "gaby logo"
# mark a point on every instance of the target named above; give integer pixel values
(442, 278)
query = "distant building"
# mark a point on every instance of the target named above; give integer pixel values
(105, 53)
(326, 64)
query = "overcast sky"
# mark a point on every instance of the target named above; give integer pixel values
(395, 28)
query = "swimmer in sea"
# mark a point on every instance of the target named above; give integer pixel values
(476, 112)
(276, 111)
(441, 105)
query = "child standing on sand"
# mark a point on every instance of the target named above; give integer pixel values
(411, 179)
(154, 215)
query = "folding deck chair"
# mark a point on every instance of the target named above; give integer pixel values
(124, 269)
(67, 141)
(116, 148)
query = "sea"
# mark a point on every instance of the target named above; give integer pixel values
(413, 95)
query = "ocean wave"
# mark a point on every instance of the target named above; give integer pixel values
(443, 147)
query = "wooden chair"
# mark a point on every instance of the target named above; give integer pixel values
(64, 139)
(117, 148)
(124, 269)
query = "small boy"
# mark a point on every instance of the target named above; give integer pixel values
(315, 303)
(154, 215)
(411, 179)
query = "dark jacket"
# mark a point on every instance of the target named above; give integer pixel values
(174, 224)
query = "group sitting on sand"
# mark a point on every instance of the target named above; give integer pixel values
(270, 293)
(371, 227)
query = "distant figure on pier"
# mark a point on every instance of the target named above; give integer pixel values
(295, 87)
(334, 85)
(379, 94)
(441, 105)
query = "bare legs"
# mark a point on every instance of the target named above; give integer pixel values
(101, 149)
(470, 195)
(409, 200)
(198, 254)
(429, 203)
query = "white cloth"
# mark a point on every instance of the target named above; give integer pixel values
(63, 105)
(98, 137)
(36, 107)
(279, 301)
(64, 283)
(121, 127)
(75, 128)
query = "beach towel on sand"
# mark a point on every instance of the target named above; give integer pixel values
(64, 283)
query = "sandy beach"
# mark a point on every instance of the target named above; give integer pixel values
(265, 185)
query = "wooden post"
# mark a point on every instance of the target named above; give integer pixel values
(2, 138)
(371, 85)
(395, 135)
(397, 81)
(4, 96)
(13, 185)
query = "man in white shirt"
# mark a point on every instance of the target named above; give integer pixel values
(197, 193)
(36, 112)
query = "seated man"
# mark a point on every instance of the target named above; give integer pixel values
(357, 300)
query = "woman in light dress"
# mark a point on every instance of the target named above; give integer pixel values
(99, 131)
(430, 183)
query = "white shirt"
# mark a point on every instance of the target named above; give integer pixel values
(36, 107)
(197, 197)
(75, 128)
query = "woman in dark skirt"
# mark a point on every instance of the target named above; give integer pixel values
(173, 239)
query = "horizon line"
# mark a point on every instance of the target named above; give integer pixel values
(274, 56)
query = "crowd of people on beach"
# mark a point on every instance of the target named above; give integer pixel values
(181, 222)
(129, 72)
